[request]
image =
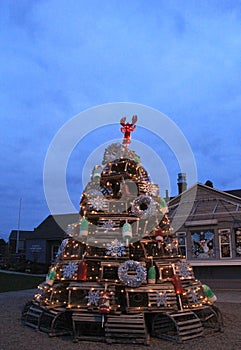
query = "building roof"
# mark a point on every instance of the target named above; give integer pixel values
(236, 193)
(23, 234)
(52, 228)
(202, 203)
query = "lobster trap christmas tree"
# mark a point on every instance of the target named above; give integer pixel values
(119, 275)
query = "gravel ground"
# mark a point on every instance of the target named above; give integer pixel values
(14, 336)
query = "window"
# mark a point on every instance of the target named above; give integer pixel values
(21, 246)
(225, 250)
(238, 242)
(203, 244)
(182, 245)
(54, 251)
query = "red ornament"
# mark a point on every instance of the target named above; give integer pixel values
(127, 128)
(158, 233)
(177, 284)
(82, 271)
(104, 302)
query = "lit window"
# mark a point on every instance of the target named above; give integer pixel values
(225, 250)
(238, 242)
(203, 244)
(182, 245)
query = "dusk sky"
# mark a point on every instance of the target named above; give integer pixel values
(59, 58)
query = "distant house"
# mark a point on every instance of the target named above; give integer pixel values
(41, 245)
(210, 236)
(20, 236)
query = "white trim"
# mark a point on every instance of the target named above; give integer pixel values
(224, 230)
(225, 262)
(201, 222)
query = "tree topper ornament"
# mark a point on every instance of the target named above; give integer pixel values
(127, 128)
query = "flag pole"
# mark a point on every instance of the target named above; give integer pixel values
(19, 217)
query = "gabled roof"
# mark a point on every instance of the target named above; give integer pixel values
(210, 190)
(23, 234)
(203, 202)
(54, 226)
(236, 193)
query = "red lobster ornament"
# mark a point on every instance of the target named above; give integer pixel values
(127, 128)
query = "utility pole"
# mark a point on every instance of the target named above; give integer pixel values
(19, 217)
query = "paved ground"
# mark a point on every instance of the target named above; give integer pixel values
(15, 336)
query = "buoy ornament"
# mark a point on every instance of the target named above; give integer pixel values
(151, 275)
(51, 276)
(127, 233)
(96, 174)
(209, 294)
(84, 227)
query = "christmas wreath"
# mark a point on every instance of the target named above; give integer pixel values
(144, 206)
(132, 280)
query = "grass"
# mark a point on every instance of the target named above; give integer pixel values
(12, 282)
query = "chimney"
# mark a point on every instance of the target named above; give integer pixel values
(167, 198)
(181, 182)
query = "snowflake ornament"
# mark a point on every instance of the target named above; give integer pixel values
(115, 248)
(150, 188)
(194, 295)
(108, 224)
(93, 297)
(183, 269)
(161, 298)
(70, 269)
(98, 202)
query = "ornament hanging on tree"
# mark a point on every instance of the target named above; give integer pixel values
(161, 298)
(152, 275)
(82, 271)
(158, 233)
(127, 232)
(144, 206)
(62, 248)
(51, 276)
(84, 228)
(108, 224)
(115, 248)
(93, 297)
(96, 173)
(178, 288)
(177, 284)
(209, 293)
(69, 270)
(194, 295)
(132, 280)
(104, 302)
(183, 269)
(98, 202)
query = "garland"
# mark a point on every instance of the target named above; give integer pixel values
(132, 280)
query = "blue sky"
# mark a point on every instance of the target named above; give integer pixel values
(59, 58)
